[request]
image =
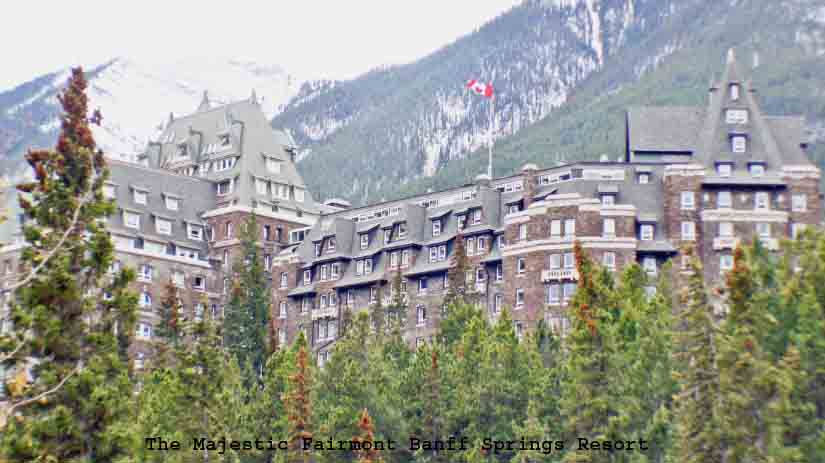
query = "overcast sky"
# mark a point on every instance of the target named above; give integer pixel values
(309, 38)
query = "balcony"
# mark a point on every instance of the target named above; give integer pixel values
(325, 312)
(560, 274)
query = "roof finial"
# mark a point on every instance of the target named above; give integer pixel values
(254, 97)
(204, 102)
(171, 118)
(731, 56)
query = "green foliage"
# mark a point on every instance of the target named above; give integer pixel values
(73, 340)
(247, 314)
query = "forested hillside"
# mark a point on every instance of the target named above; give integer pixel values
(561, 89)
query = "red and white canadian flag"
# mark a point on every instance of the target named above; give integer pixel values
(480, 88)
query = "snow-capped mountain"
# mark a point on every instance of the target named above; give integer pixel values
(136, 97)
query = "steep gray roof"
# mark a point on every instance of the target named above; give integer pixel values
(664, 128)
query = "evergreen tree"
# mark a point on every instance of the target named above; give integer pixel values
(169, 328)
(70, 339)
(457, 290)
(588, 402)
(246, 316)
(533, 430)
(298, 405)
(754, 390)
(366, 440)
(698, 426)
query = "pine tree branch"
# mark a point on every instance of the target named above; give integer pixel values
(75, 219)
(7, 356)
(9, 411)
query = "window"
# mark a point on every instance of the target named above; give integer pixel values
(436, 227)
(799, 203)
(421, 315)
(163, 226)
(499, 272)
(497, 301)
(405, 258)
(723, 200)
(519, 298)
(438, 253)
(725, 229)
(522, 231)
(738, 143)
(569, 228)
(199, 283)
(462, 221)
(552, 293)
(307, 277)
(331, 244)
(481, 275)
(365, 240)
(518, 326)
(226, 285)
(757, 170)
(267, 232)
(373, 295)
(608, 200)
(512, 209)
(476, 216)
(608, 227)
(145, 272)
(387, 235)
(569, 260)
(225, 187)
(334, 271)
(172, 204)
(228, 230)
(688, 200)
(273, 166)
(646, 232)
(649, 265)
(763, 229)
(521, 266)
(282, 310)
(470, 245)
(144, 331)
(367, 266)
(555, 261)
(317, 249)
(145, 299)
(724, 169)
(481, 245)
(139, 196)
(688, 231)
(299, 195)
(567, 291)
(284, 279)
(734, 92)
(725, 262)
(261, 186)
(333, 299)
(281, 337)
(131, 219)
(762, 200)
(324, 272)
(195, 232)
(393, 260)
(422, 285)
(736, 116)
(177, 278)
(305, 304)
(609, 260)
(555, 228)
(643, 178)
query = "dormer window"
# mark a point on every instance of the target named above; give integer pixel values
(402, 230)
(757, 169)
(223, 139)
(273, 166)
(172, 204)
(331, 244)
(734, 92)
(724, 169)
(646, 232)
(163, 226)
(462, 222)
(736, 116)
(436, 227)
(476, 216)
(738, 143)
(182, 150)
(139, 196)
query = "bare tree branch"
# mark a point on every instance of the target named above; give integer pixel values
(6, 356)
(5, 414)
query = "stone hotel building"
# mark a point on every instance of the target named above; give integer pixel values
(713, 175)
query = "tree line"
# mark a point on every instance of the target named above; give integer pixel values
(731, 373)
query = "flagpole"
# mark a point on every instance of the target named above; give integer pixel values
(490, 141)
